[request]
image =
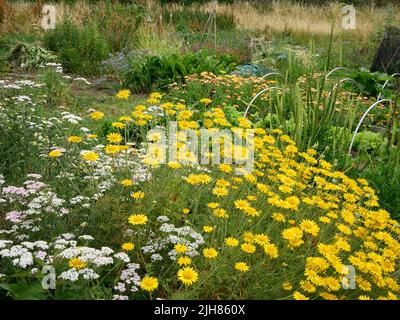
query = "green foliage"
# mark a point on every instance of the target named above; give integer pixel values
(80, 49)
(147, 72)
(368, 141)
(369, 83)
(5, 66)
(383, 172)
(280, 54)
(233, 42)
(20, 124)
(29, 56)
(118, 24)
(193, 19)
(56, 90)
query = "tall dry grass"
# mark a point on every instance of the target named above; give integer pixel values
(281, 16)
(25, 17)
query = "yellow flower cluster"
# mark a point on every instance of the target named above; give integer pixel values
(293, 209)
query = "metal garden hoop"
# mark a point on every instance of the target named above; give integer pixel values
(362, 119)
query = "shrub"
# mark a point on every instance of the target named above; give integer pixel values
(29, 56)
(369, 83)
(80, 49)
(118, 23)
(285, 57)
(146, 72)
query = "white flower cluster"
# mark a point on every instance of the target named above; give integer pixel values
(71, 118)
(23, 255)
(172, 235)
(83, 80)
(73, 274)
(19, 84)
(102, 171)
(89, 255)
(128, 281)
(57, 66)
(35, 254)
(35, 202)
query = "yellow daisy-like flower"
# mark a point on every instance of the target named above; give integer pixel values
(248, 237)
(206, 101)
(220, 191)
(208, 229)
(188, 275)
(248, 247)
(220, 213)
(155, 95)
(174, 165)
(307, 286)
(310, 227)
(137, 195)
(153, 101)
(141, 122)
(74, 139)
(114, 137)
(97, 115)
(90, 156)
(137, 219)
(55, 153)
(278, 217)
(185, 210)
(111, 149)
(149, 283)
(184, 261)
(180, 248)
(123, 94)
(213, 205)
(298, 296)
(225, 167)
(76, 263)
(324, 219)
(261, 239)
(231, 242)
(293, 233)
(287, 286)
(210, 253)
(241, 204)
(125, 118)
(127, 182)
(271, 250)
(128, 246)
(118, 125)
(242, 266)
